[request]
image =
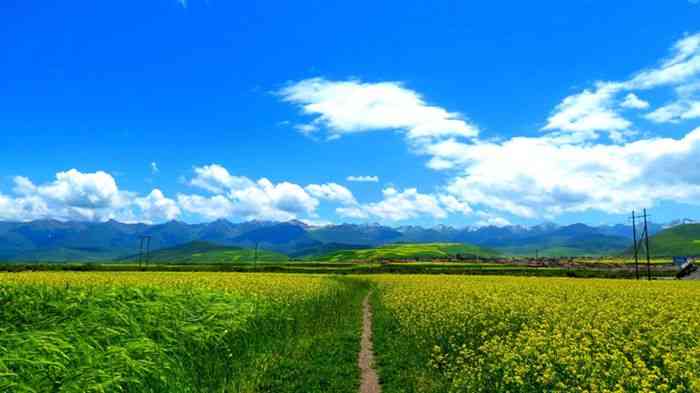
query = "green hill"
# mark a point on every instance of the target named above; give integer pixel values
(681, 240)
(407, 251)
(203, 253)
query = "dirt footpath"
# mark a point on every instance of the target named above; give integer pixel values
(370, 381)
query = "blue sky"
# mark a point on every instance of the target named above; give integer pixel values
(458, 113)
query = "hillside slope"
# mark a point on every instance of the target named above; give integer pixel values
(407, 251)
(204, 252)
(682, 240)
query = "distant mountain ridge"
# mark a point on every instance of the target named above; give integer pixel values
(50, 240)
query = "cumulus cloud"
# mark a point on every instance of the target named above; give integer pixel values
(332, 192)
(353, 106)
(23, 208)
(675, 112)
(490, 220)
(75, 189)
(633, 102)
(397, 206)
(367, 179)
(682, 65)
(75, 195)
(588, 111)
(453, 205)
(242, 198)
(156, 207)
(584, 115)
(215, 178)
(214, 207)
(535, 177)
(569, 169)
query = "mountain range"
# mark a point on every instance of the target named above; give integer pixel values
(55, 241)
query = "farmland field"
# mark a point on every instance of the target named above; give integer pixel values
(507, 334)
(177, 332)
(408, 251)
(245, 332)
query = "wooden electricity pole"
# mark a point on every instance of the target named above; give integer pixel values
(636, 249)
(646, 240)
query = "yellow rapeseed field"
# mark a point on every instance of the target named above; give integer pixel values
(501, 334)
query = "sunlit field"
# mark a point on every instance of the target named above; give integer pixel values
(177, 332)
(257, 332)
(501, 334)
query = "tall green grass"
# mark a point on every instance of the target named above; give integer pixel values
(77, 337)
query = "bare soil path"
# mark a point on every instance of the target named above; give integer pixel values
(369, 380)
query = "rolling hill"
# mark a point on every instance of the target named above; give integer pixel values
(681, 240)
(203, 253)
(406, 251)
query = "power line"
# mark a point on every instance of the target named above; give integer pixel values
(641, 242)
(255, 261)
(145, 244)
(636, 249)
(646, 239)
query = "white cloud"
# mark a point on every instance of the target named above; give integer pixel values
(240, 197)
(537, 177)
(584, 114)
(332, 192)
(453, 205)
(280, 201)
(75, 195)
(154, 168)
(75, 189)
(633, 102)
(352, 106)
(397, 206)
(490, 220)
(23, 208)
(217, 179)
(587, 112)
(366, 179)
(683, 64)
(356, 212)
(570, 168)
(214, 207)
(567, 171)
(156, 207)
(675, 112)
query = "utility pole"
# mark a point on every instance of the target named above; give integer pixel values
(646, 239)
(255, 260)
(636, 249)
(148, 250)
(140, 260)
(145, 244)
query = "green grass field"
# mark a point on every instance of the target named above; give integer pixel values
(682, 240)
(178, 332)
(236, 332)
(408, 251)
(208, 253)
